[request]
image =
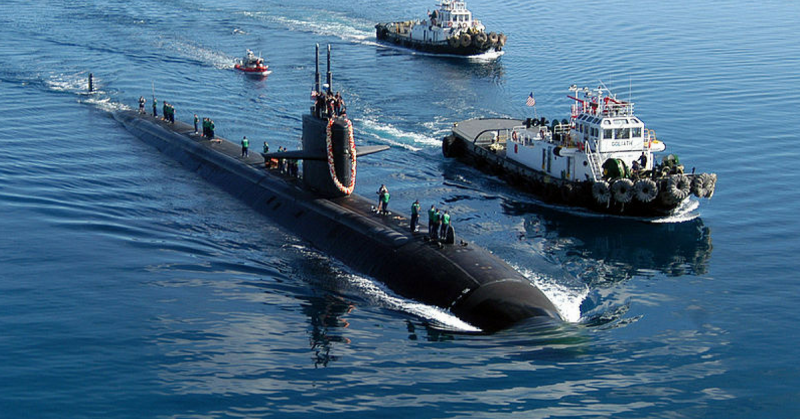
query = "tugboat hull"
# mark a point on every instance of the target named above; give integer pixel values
(383, 33)
(665, 195)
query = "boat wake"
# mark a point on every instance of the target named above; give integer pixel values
(198, 53)
(437, 317)
(321, 23)
(77, 84)
(566, 299)
(391, 135)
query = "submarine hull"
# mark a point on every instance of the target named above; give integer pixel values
(470, 282)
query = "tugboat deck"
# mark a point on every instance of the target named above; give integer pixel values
(470, 129)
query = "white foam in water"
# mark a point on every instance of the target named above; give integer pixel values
(685, 212)
(327, 24)
(106, 104)
(436, 315)
(567, 300)
(78, 84)
(188, 50)
(397, 137)
(73, 83)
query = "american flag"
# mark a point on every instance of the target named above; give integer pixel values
(531, 101)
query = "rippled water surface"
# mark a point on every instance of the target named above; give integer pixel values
(130, 287)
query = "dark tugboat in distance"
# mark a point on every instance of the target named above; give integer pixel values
(450, 29)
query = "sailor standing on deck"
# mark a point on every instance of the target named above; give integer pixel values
(155, 107)
(437, 220)
(431, 216)
(385, 202)
(142, 101)
(445, 224)
(414, 215)
(245, 146)
(382, 190)
(195, 123)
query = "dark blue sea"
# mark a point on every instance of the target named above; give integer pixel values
(132, 288)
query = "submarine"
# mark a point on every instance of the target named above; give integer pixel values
(320, 207)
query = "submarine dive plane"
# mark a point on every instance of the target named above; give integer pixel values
(465, 279)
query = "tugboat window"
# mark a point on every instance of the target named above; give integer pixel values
(636, 132)
(608, 134)
(622, 133)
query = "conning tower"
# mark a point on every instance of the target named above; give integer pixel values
(330, 168)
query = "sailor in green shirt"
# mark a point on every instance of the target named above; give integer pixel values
(385, 202)
(245, 146)
(437, 219)
(414, 215)
(431, 216)
(445, 224)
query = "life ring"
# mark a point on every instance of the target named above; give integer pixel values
(622, 189)
(601, 192)
(449, 24)
(581, 146)
(514, 135)
(645, 190)
(347, 190)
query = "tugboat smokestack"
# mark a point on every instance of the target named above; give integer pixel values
(316, 76)
(330, 77)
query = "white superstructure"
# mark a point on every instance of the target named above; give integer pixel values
(600, 128)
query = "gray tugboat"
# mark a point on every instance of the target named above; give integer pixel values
(463, 278)
(450, 29)
(601, 158)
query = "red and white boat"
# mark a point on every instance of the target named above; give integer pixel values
(252, 64)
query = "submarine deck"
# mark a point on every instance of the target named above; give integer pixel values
(479, 288)
(359, 205)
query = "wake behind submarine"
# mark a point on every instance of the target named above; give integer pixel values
(467, 280)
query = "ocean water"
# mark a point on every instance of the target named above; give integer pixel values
(130, 287)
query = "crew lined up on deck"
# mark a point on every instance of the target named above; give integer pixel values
(438, 222)
(329, 105)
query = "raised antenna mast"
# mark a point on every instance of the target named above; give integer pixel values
(330, 84)
(316, 76)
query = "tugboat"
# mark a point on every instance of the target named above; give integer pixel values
(252, 64)
(449, 29)
(602, 158)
